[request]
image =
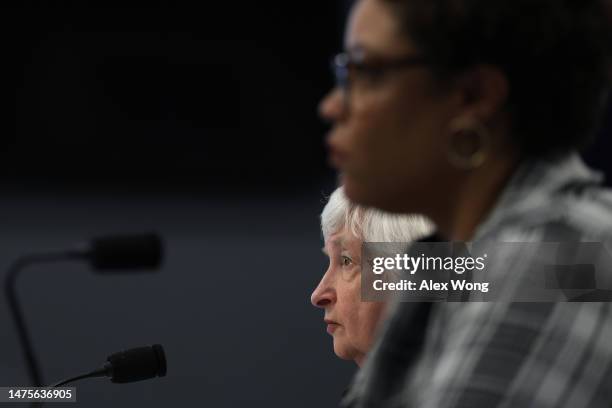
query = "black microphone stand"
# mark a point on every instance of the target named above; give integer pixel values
(104, 254)
(10, 288)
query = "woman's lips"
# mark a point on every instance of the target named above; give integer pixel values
(331, 326)
(337, 156)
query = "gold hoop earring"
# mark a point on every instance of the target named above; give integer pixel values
(467, 148)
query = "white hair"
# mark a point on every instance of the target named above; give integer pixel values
(371, 224)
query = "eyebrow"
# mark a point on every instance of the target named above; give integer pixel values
(362, 49)
(357, 50)
(361, 52)
(334, 242)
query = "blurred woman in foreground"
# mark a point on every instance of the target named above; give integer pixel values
(472, 112)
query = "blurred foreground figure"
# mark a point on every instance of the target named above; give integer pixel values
(472, 112)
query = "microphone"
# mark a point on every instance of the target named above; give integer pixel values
(121, 252)
(128, 366)
(104, 254)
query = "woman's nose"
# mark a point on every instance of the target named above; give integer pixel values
(323, 295)
(332, 107)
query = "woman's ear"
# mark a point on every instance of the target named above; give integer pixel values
(485, 90)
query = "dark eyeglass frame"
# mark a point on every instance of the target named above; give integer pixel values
(342, 64)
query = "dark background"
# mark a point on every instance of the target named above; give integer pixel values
(197, 121)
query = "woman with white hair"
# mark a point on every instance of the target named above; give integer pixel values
(346, 226)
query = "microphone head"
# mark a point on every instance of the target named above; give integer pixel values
(126, 252)
(137, 364)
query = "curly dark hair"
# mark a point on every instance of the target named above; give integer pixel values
(555, 54)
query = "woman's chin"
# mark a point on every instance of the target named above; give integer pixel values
(369, 193)
(362, 193)
(343, 351)
(357, 192)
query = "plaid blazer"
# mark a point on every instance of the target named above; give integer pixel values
(505, 354)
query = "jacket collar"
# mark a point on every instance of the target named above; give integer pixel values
(531, 192)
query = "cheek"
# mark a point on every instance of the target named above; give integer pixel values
(347, 313)
(396, 142)
(348, 305)
(362, 319)
(349, 297)
(369, 321)
(373, 128)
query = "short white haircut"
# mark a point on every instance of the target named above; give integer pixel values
(371, 224)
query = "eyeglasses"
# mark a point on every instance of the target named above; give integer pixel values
(344, 68)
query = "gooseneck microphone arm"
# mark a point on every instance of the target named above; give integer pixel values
(137, 364)
(97, 373)
(10, 288)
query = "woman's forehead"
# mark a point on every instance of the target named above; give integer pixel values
(372, 29)
(342, 239)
